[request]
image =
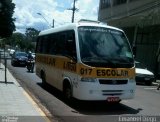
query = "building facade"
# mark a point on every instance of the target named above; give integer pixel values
(140, 19)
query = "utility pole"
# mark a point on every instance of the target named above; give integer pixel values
(53, 23)
(73, 9)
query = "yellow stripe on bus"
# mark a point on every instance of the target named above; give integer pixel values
(64, 63)
(87, 71)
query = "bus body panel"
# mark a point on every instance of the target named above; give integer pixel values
(88, 82)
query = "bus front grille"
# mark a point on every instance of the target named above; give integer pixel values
(113, 82)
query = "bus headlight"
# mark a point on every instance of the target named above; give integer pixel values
(88, 80)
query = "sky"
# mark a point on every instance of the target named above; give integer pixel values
(26, 13)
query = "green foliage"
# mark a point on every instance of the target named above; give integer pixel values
(25, 41)
(7, 25)
(18, 39)
(31, 34)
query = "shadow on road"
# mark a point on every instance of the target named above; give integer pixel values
(92, 107)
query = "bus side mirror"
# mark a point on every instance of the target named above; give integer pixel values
(134, 50)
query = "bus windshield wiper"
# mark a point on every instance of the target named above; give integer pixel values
(106, 61)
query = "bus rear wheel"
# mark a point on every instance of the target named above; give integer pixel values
(43, 76)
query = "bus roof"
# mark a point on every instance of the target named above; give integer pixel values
(73, 26)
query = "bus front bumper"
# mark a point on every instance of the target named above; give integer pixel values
(95, 91)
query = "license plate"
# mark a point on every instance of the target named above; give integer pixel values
(113, 99)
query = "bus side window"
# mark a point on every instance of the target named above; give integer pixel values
(52, 49)
(48, 41)
(70, 44)
(39, 45)
(60, 43)
(45, 45)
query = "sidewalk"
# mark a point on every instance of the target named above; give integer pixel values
(15, 104)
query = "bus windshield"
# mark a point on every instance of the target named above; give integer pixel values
(104, 47)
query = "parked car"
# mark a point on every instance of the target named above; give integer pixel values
(19, 58)
(143, 75)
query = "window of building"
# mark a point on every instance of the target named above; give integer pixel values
(118, 2)
(105, 4)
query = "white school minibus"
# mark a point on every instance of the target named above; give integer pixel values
(87, 60)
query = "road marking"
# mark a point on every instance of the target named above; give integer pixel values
(36, 106)
(150, 88)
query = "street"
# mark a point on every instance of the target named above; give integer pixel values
(146, 101)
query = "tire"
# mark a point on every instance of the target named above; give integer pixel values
(28, 68)
(158, 87)
(12, 63)
(43, 76)
(67, 92)
(32, 69)
(149, 83)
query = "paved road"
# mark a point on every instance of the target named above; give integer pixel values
(146, 101)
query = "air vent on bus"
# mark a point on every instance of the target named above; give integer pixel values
(112, 92)
(91, 21)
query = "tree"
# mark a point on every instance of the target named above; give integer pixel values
(31, 34)
(7, 25)
(25, 42)
(31, 37)
(18, 39)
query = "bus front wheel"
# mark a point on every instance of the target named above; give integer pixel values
(67, 91)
